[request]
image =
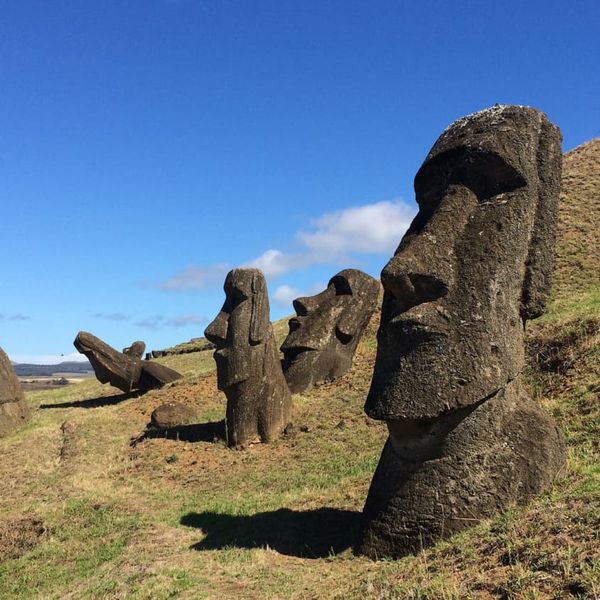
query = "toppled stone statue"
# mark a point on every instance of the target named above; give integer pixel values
(14, 410)
(465, 440)
(136, 350)
(123, 371)
(326, 330)
(259, 404)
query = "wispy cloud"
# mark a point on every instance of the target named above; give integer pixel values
(116, 316)
(196, 278)
(15, 317)
(159, 321)
(334, 238)
(285, 294)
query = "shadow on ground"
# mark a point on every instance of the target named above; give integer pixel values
(200, 432)
(94, 402)
(303, 533)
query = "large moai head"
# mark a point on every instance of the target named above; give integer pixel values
(474, 265)
(13, 408)
(327, 327)
(465, 440)
(248, 366)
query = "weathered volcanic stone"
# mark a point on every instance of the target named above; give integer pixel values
(172, 414)
(325, 332)
(122, 371)
(136, 350)
(474, 266)
(13, 408)
(259, 403)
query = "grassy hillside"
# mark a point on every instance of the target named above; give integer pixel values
(84, 513)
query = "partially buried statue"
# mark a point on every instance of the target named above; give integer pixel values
(259, 403)
(465, 440)
(14, 410)
(124, 371)
(326, 330)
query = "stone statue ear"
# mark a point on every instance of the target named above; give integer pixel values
(259, 317)
(540, 259)
(350, 321)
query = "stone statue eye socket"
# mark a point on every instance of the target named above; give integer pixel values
(235, 297)
(344, 338)
(342, 287)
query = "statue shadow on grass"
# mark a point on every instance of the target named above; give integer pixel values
(200, 432)
(303, 533)
(95, 402)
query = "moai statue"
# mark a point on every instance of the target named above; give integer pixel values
(259, 404)
(14, 410)
(123, 371)
(465, 440)
(326, 330)
(136, 350)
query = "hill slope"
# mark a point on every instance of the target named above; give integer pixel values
(86, 514)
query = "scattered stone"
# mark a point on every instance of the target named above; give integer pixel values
(325, 332)
(304, 428)
(136, 350)
(125, 372)
(172, 414)
(14, 410)
(465, 440)
(259, 404)
(341, 425)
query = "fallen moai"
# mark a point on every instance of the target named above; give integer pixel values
(325, 332)
(465, 440)
(126, 372)
(259, 404)
(14, 410)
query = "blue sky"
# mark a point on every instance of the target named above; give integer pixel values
(148, 146)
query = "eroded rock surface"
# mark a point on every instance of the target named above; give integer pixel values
(249, 371)
(14, 410)
(136, 350)
(325, 332)
(474, 266)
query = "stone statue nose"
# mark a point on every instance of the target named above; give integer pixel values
(412, 286)
(303, 305)
(216, 332)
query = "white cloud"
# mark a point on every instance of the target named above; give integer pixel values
(47, 359)
(274, 263)
(184, 320)
(334, 238)
(195, 278)
(372, 228)
(284, 295)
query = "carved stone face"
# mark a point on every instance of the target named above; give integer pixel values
(325, 332)
(473, 266)
(240, 328)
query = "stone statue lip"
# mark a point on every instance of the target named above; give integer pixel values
(292, 352)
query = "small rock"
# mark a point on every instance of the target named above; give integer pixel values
(172, 414)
